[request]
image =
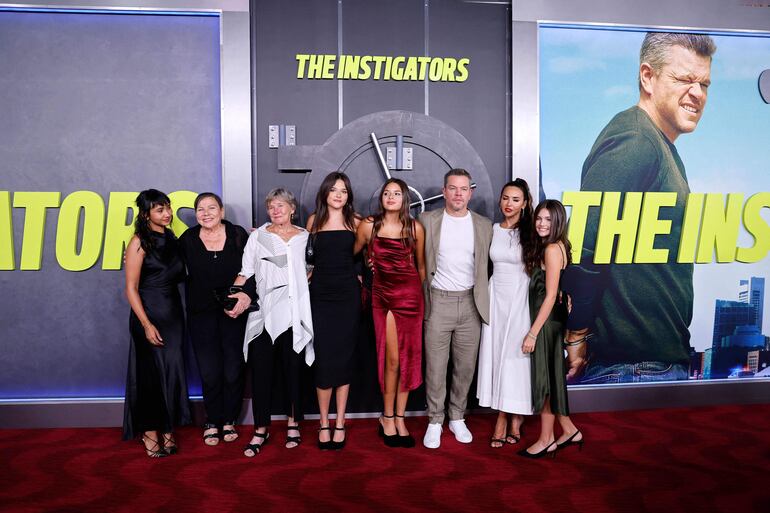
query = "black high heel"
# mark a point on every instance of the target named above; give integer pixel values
(390, 440)
(569, 441)
(325, 446)
(155, 450)
(169, 444)
(537, 455)
(405, 440)
(339, 445)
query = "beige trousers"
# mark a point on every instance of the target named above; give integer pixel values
(453, 328)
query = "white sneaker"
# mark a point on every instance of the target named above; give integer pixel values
(432, 438)
(460, 430)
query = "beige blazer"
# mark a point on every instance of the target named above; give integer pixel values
(482, 238)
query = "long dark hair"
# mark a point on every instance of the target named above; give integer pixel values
(533, 258)
(322, 208)
(526, 222)
(146, 201)
(407, 221)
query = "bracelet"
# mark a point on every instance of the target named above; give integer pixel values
(530, 335)
(578, 341)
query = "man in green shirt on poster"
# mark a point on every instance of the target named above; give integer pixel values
(642, 311)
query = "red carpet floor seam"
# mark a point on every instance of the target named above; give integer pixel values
(707, 459)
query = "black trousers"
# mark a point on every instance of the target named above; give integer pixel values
(275, 364)
(218, 343)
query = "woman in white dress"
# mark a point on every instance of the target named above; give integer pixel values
(504, 371)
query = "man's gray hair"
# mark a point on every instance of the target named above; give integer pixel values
(281, 194)
(656, 45)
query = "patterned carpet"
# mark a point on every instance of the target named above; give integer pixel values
(687, 459)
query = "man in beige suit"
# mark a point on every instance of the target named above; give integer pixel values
(456, 303)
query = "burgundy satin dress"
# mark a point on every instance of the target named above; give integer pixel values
(397, 288)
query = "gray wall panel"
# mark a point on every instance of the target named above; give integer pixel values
(475, 107)
(282, 30)
(101, 103)
(382, 28)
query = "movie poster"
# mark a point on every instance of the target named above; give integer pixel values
(674, 237)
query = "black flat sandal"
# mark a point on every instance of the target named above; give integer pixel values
(229, 432)
(255, 448)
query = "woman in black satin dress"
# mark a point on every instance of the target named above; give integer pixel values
(156, 387)
(335, 300)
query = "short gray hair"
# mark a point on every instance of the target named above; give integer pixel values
(281, 194)
(656, 45)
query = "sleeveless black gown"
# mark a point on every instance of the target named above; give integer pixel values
(335, 302)
(156, 386)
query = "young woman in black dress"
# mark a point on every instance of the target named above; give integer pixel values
(212, 251)
(156, 387)
(335, 294)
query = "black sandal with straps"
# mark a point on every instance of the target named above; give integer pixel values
(155, 450)
(293, 439)
(255, 448)
(169, 444)
(229, 431)
(214, 437)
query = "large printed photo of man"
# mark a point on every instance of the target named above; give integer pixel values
(642, 316)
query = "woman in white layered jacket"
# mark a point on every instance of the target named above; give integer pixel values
(279, 336)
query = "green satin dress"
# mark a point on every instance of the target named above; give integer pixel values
(549, 368)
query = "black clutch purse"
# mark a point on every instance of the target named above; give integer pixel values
(222, 295)
(309, 253)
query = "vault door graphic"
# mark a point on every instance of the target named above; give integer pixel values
(432, 146)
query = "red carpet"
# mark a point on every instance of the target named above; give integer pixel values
(689, 459)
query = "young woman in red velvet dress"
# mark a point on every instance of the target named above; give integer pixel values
(396, 243)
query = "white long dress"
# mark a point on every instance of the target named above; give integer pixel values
(504, 371)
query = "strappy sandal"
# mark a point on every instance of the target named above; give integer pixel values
(293, 439)
(155, 450)
(493, 441)
(169, 444)
(229, 431)
(210, 439)
(255, 448)
(514, 438)
(325, 446)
